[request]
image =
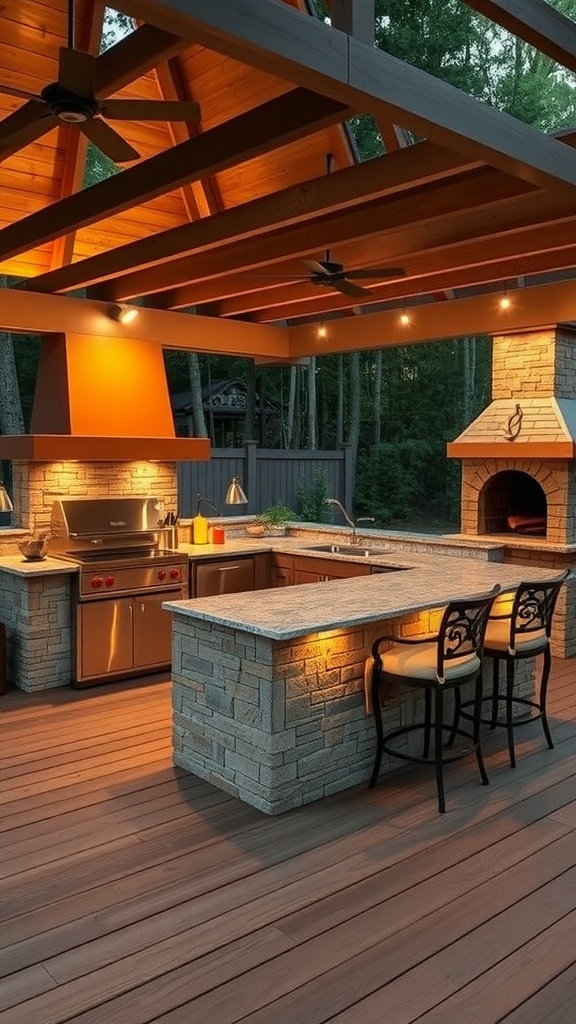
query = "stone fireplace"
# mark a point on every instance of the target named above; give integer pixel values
(519, 460)
(518, 456)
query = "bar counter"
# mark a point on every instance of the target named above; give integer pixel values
(268, 687)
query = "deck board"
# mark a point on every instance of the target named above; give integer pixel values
(133, 892)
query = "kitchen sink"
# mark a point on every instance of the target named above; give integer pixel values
(350, 549)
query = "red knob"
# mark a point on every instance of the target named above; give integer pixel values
(109, 581)
(175, 574)
(162, 574)
(95, 582)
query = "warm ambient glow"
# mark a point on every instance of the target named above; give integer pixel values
(505, 302)
(122, 313)
(322, 331)
(404, 319)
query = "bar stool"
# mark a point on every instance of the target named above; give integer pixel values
(446, 661)
(521, 632)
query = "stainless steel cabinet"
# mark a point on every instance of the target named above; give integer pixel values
(153, 629)
(104, 638)
(124, 635)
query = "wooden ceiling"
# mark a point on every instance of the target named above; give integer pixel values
(219, 213)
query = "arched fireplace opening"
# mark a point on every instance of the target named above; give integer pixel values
(512, 502)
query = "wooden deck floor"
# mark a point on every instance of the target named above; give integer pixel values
(131, 892)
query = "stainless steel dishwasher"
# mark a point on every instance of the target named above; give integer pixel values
(222, 576)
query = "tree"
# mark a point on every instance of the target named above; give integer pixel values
(11, 417)
(195, 380)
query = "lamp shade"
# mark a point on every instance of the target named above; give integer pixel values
(235, 495)
(5, 503)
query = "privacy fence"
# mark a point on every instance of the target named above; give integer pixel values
(268, 475)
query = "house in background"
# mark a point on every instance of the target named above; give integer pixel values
(224, 404)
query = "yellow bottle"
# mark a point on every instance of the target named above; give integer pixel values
(199, 527)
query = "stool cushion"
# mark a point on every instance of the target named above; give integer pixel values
(419, 662)
(498, 637)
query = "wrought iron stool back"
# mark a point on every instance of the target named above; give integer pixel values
(446, 661)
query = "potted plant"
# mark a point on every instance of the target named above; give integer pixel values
(275, 517)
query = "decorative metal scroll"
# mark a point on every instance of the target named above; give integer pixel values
(463, 631)
(514, 425)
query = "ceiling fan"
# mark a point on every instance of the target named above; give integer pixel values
(73, 101)
(328, 274)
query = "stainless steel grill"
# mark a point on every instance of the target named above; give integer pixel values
(126, 571)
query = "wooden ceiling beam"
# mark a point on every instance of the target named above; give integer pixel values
(134, 56)
(355, 17)
(259, 252)
(328, 194)
(279, 39)
(423, 249)
(21, 312)
(202, 196)
(178, 133)
(537, 23)
(432, 265)
(533, 308)
(76, 143)
(442, 271)
(281, 120)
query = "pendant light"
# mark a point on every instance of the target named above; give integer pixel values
(235, 495)
(5, 502)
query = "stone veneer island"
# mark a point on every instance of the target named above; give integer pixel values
(268, 687)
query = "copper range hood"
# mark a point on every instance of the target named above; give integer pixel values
(101, 400)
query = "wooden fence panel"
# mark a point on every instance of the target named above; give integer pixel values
(268, 475)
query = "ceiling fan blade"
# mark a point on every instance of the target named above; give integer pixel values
(373, 272)
(24, 126)
(315, 267)
(349, 289)
(111, 144)
(76, 72)
(151, 110)
(132, 57)
(20, 94)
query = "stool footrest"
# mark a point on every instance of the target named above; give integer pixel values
(453, 755)
(501, 698)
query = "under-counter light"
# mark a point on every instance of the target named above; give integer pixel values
(122, 313)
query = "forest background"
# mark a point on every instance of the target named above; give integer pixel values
(396, 407)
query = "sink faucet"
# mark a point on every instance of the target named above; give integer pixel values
(353, 524)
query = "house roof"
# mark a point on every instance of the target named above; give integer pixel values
(223, 397)
(217, 215)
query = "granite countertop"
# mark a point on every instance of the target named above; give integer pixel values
(429, 582)
(19, 566)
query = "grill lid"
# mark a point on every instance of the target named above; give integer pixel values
(79, 524)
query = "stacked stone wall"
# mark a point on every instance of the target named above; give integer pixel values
(282, 723)
(36, 613)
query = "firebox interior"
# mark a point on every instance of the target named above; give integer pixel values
(512, 502)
